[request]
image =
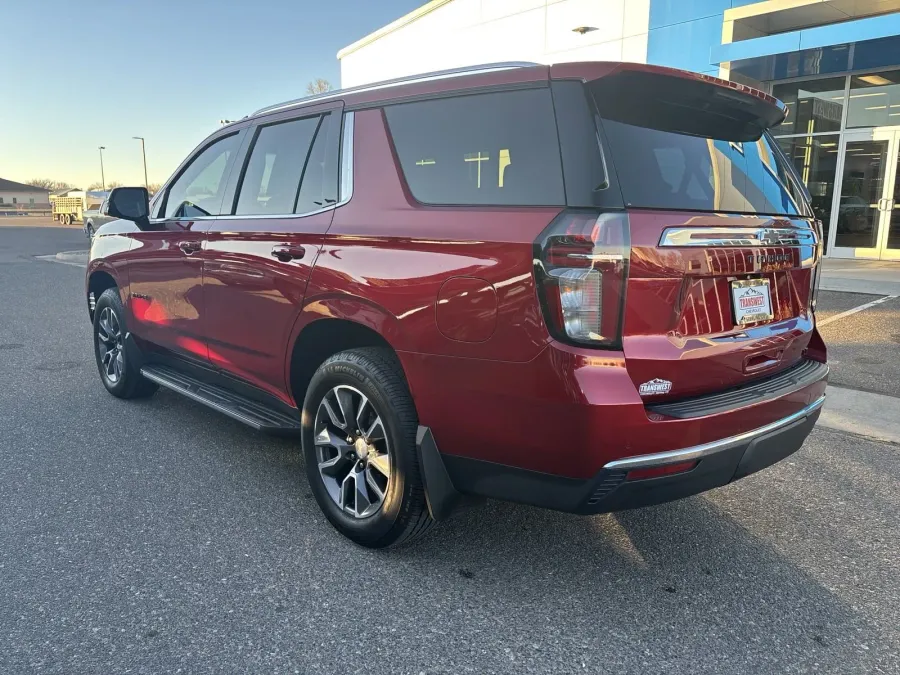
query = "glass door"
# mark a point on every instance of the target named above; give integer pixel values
(866, 217)
(889, 245)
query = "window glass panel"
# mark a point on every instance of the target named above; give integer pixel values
(815, 159)
(320, 180)
(663, 169)
(874, 100)
(272, 178)
(199, 190)
(482, 149)
(813, 106)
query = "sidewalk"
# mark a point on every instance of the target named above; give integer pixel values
(861, 276)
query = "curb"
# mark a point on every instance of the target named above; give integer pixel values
(860, 412)
(73, 256)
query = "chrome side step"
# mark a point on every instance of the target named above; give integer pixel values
(252, 413)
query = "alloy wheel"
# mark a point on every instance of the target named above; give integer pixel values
(109, 340)
(353, 451)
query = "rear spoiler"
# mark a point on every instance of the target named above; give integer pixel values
(674, 100)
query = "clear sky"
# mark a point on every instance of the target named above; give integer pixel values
(167, 70)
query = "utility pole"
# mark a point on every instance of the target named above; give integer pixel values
(144, 152)
(102, 175)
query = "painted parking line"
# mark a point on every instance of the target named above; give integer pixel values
(825, 322)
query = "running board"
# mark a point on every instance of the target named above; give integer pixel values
(252, 413)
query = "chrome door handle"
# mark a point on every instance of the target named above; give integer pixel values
(189, 247)
(288, 253)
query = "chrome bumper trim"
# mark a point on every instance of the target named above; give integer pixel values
(700, 451)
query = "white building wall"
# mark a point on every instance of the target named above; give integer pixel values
(40, 198)
(468, 32)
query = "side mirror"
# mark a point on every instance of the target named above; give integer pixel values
(129, 203)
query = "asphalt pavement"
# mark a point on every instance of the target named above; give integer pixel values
(158, 536)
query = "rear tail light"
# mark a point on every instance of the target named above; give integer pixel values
(581, 264)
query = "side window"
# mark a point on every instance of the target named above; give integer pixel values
(320, 179)
(199, 190)
(499, 148)
(271, 180)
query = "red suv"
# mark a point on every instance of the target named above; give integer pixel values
(587, 287)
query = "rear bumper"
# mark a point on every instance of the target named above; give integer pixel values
(718, 463)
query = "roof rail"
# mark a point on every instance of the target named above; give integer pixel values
(408, 79)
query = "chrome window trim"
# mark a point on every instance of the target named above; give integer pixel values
(345, 190)
(255, 216)
(737, 236)
(700, 451)
(409, 79)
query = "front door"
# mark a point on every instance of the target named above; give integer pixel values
(258, 256)
(166, 267)
(866, 217)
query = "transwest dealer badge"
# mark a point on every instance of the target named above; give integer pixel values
(656, 386)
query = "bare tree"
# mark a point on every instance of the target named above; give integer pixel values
(48, 183)
(318, 86)
(110, 184)
(153, 188)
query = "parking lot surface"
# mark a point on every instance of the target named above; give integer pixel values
(157, 536)
(863, 348)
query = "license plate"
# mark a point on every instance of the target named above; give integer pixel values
(752, 301)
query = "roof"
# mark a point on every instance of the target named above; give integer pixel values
(491, 75)
(11, 185)
(391, 27)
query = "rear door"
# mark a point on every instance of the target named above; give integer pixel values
(258, 255)
(723, 245)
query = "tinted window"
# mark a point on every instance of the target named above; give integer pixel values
(320, 179)
(272, 177)
(199, 189)
(483, 149)
(661, 169)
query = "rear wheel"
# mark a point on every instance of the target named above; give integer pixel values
(89, 228)
(359, 441)
(118, 370)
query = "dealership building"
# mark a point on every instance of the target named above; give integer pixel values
(835, 63)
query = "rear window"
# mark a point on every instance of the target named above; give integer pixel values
(668, 170)
(487, 149)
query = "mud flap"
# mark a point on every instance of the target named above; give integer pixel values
(440, 493)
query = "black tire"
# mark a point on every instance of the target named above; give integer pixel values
(90, 230)
(403, 515)
(127, 382)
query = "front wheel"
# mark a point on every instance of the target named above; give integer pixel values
(359, 441)
(89, 230)
(120, 375)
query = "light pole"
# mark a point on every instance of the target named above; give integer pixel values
(102, 175)
(143, 152)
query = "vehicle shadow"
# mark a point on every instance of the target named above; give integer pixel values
(687, 577)
(684, 569)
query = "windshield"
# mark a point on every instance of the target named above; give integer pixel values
(668, 170)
